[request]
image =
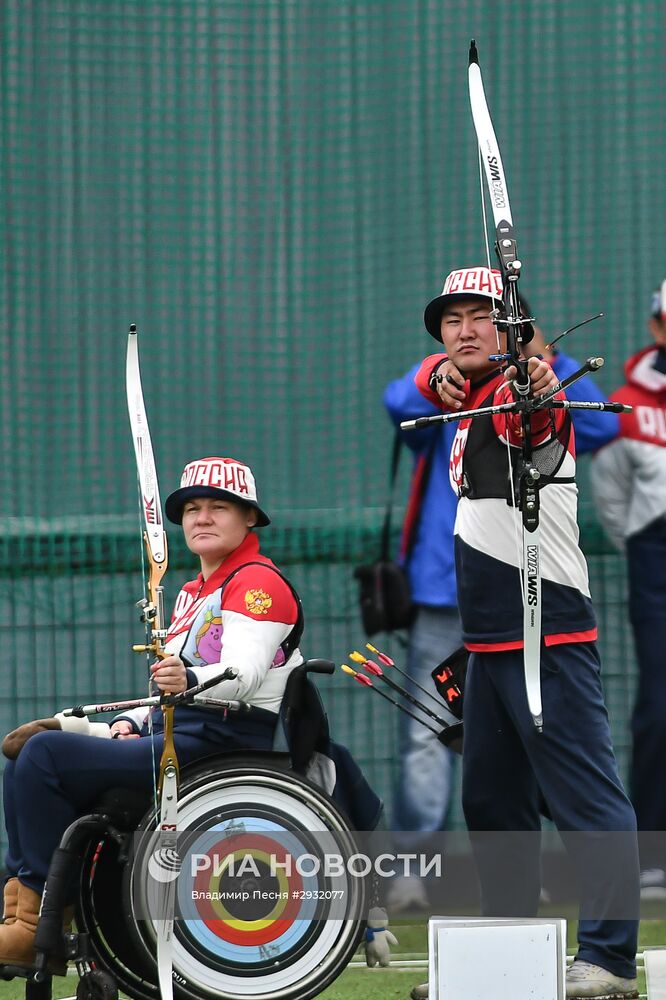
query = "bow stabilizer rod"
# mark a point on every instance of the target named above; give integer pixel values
(185, 697)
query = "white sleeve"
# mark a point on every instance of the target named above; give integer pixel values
(612, 480)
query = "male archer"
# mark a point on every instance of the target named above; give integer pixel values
(507, 762)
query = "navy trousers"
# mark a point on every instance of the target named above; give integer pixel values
(646, 563)
(509, 769)
(60, 776)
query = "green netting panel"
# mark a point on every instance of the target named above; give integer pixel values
(68, 639)
(272, 190)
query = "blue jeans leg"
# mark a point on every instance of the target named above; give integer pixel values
(646, 559)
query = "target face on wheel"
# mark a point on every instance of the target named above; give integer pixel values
(258, 909)
(249, 900)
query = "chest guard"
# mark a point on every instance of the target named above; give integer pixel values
(485, 470)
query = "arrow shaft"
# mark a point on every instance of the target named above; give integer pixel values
(399, 689)
(413, 681)
(402, 708)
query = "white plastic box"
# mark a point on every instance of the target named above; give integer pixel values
(480, 958)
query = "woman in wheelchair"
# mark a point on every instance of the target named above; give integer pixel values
(239, 612)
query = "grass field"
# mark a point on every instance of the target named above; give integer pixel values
(360, 983)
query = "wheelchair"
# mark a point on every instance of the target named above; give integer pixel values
(281, 934)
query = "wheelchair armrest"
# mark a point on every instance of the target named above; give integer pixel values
(317, 666)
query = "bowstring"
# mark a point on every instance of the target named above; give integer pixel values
(496, 304)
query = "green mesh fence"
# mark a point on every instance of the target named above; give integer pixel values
(272, 190)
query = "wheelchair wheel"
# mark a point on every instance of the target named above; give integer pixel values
(258, 913)
(101, 914)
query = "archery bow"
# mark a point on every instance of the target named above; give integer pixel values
(153, 616)
(519, 331)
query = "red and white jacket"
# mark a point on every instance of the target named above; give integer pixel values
(242, 625)
(488, 528)
(629, 474)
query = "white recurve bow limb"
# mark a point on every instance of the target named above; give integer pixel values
(153, 614)
(530, 564)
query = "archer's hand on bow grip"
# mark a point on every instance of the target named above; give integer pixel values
(542, 376)
(170, 674)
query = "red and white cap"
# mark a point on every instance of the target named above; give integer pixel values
(215, 477)
(474, 282)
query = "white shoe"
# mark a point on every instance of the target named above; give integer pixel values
(421, 992)
(586, 980)
(653, 884)
(405, 895)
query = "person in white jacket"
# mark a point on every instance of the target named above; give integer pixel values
(629, 481)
